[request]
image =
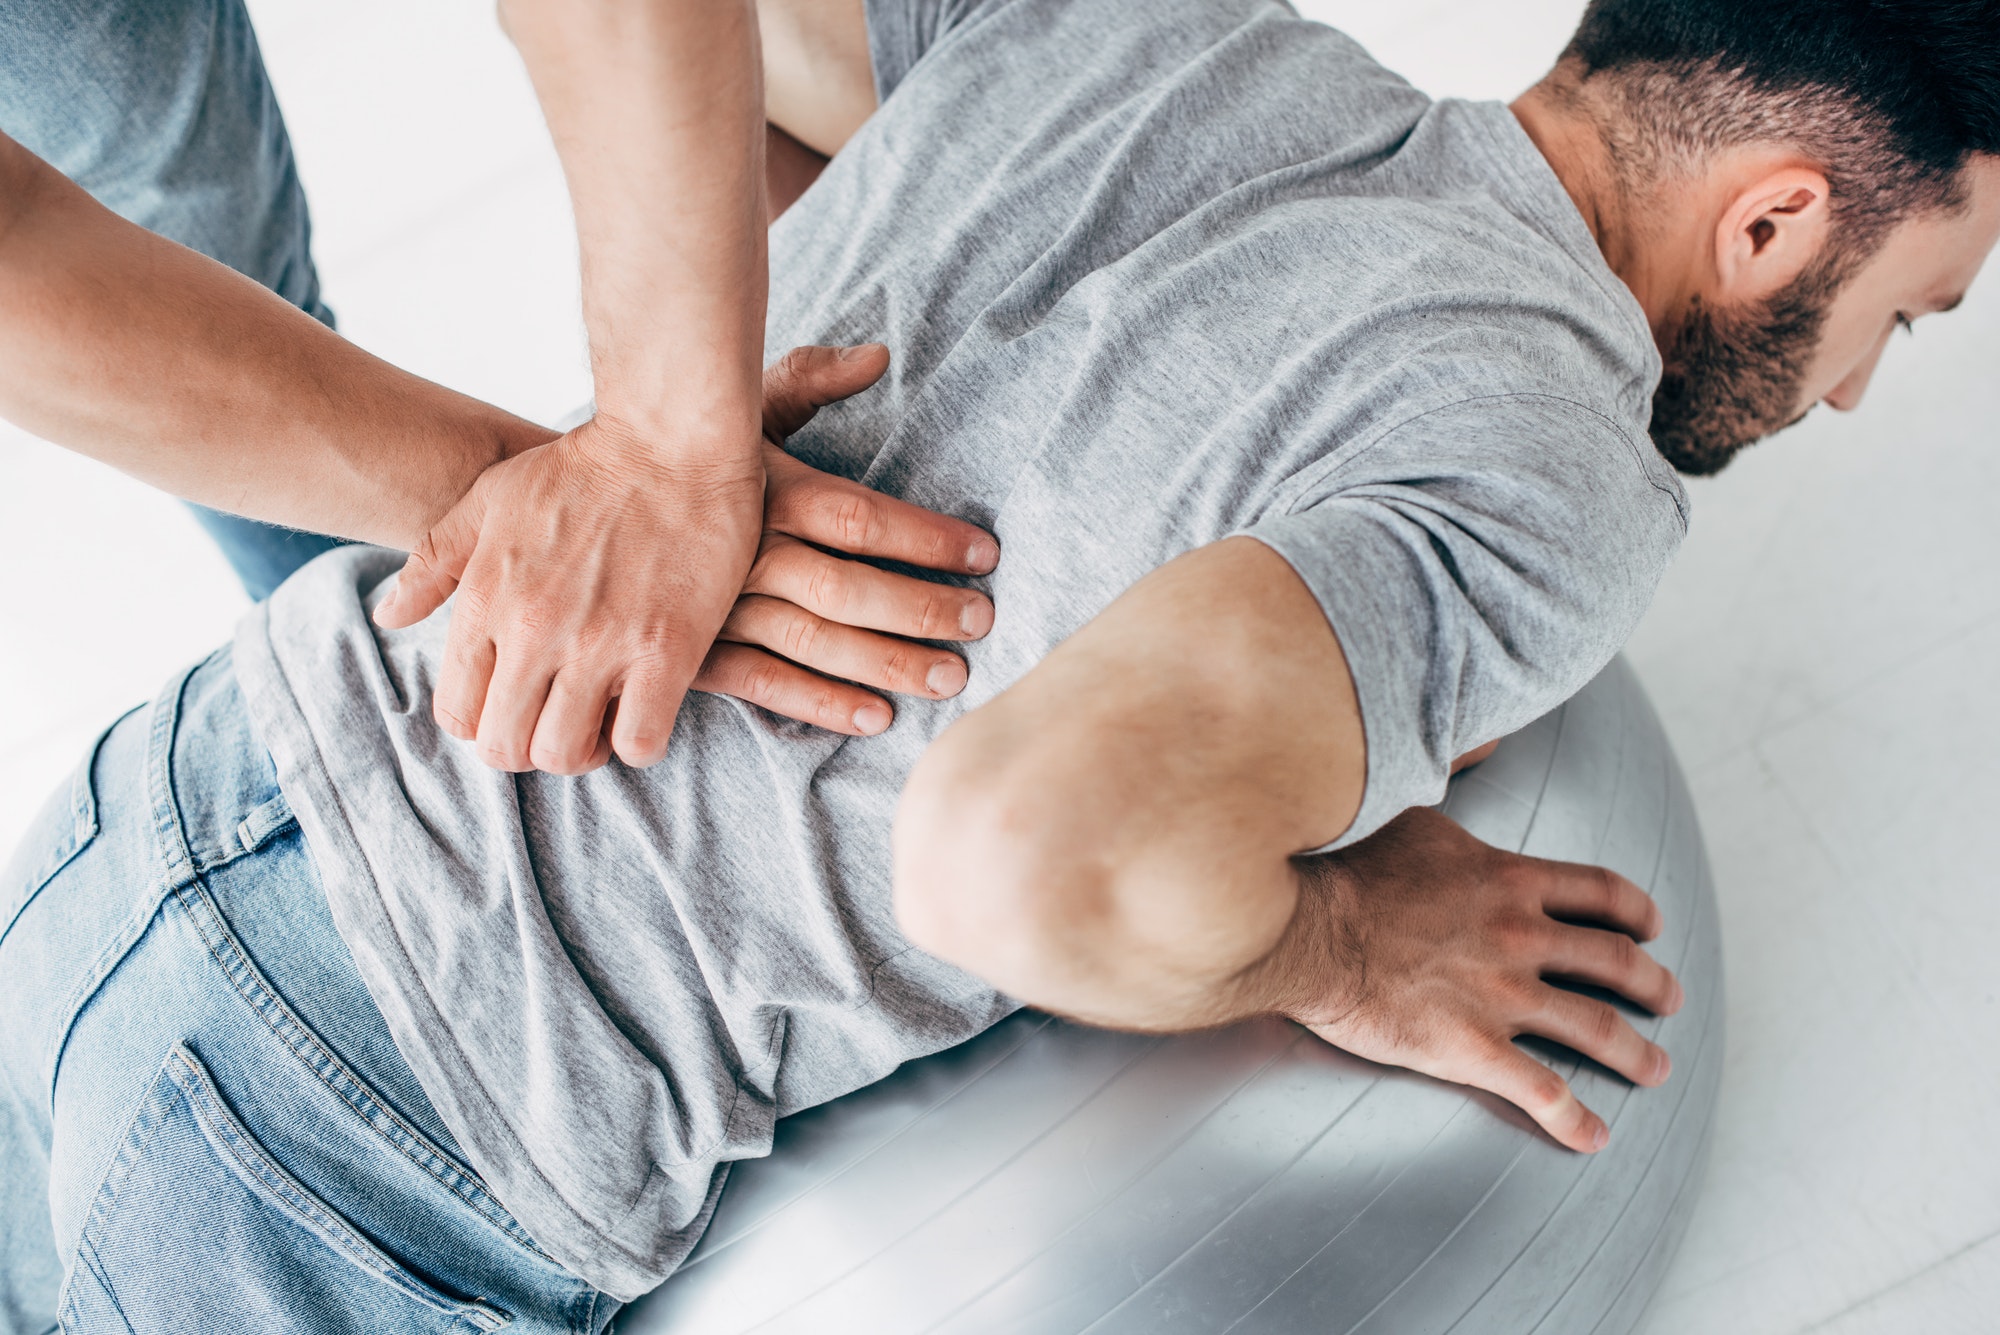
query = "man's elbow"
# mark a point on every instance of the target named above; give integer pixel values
(984, 880)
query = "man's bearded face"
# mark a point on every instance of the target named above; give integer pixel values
(1734, 377)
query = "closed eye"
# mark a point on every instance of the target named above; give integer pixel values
(1909, 325)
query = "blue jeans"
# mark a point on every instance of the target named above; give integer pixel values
(163, 111)
(204, 1124)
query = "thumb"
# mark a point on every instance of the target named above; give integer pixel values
(434, 568)
(806, 379)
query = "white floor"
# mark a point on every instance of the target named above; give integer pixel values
(1822, 653)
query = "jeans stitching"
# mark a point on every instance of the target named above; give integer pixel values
(90, 1260)
(331, 1072)
(292, 1195)
(160, 782)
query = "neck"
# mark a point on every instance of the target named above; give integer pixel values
(1559, 122)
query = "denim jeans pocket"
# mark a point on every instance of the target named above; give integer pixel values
(196, 1227)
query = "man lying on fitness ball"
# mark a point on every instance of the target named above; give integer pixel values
(1312, 417)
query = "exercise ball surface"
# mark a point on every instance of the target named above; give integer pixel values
(1050, 1179)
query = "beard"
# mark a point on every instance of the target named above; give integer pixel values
(1734, 377)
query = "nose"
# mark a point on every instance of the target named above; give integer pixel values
(1846, 396)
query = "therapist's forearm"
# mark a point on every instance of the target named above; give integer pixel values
(173, 368)
(657, 109)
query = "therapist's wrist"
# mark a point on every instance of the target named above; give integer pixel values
(722, 435)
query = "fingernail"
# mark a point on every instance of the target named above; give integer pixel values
(946, 677)
(872, 718)
(982, 556)
(856, 352)
(975, 618)
(1600, 1137)
(1680, 997)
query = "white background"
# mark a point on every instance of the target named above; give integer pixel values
(1823, 654)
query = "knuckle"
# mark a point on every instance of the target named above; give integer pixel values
(796, 361)
(1544, 1089)
(1519, 935)
(827, 705)
(760, 680)
(904, 664)
(1521, 994)
(569, 755)
(852, 520)
(829, 589)
(801, 637)
(1601, 1025)
(939, 615)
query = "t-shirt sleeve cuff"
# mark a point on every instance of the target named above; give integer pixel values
(1348, 583)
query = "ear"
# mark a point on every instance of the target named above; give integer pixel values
(1771, 227)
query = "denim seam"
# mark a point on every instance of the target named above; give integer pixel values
(205, 1102)
(101, 968)
(173, 851)
(84, 827)
(328, 1069)
(179, 862)
(91, 1263)
(132, 1143)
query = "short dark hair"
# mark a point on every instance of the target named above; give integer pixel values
(1891, 97)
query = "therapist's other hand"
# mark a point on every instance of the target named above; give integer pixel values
(1445, 949)
(596, 568)
(813, 629)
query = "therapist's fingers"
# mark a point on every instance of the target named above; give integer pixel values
(763, 679)
(572, 736)
(827, 647)
(856, 594)
(846, 517)
(459, 697)
(649, 699)
(514, 700)
(434, 569)
(806, 379)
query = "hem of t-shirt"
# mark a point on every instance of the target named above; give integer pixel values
(603, 1259)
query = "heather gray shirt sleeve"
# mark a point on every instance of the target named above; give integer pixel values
(1479, 564)
(901, 31)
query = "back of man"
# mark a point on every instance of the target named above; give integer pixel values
(1151, 276)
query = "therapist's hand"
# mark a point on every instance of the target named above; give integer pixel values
(813, 629)
(810, 630)
(591, 569)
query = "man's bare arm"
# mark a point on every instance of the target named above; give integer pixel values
(1117, 838)
(819, 80)
(171, 367)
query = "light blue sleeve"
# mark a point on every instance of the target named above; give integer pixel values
(1479, 564)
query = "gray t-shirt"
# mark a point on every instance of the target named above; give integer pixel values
(1152, 275)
